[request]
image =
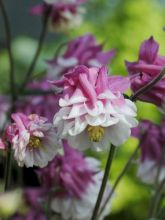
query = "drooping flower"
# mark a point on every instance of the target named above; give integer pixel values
(75, 182)
(83, 50)
(93, 111)
(151, 137)
(63, 15)
(33, 140)
(149, 65)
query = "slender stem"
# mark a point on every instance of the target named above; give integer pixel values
(12, 88)
(36, 55)
(8, 168)
(48, 209)
(104, 182)
(148, 86)
(160, 164)
(9, 50)
(156, 199)
(161, 213)
(123, 172)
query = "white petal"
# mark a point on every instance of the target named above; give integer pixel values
(76, 111)
(79, 126)
(118, 133)
(95, 121)
(67, 62)
(96, 110)
(59, 115)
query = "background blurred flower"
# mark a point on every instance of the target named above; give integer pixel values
(63, 15)
(152, 143)
(75, 182)
(93, 111)
(149, 65)
(83, 50)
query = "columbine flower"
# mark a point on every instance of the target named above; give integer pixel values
(148, 66)
(83, 50)
(33, 140)
(63, 15)
(151, 138)
(93, 111)
(75, 182)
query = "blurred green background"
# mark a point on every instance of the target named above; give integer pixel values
(121, 24)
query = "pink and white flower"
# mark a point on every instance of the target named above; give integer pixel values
(83, 50)
(93, 111)
(75, 181)
(63, 15)
(33, 140)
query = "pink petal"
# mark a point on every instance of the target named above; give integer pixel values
(149, 50)
(119, 83)
(88, 88)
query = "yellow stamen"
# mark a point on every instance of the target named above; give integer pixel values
(34, 142)
(96, 133)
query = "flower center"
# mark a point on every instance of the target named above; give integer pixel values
(34, 142)
(96, 133)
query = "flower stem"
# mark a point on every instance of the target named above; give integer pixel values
(12, 88)
(8, 169)
(148, 86)
(160, 164)
(9, 50)
(125, 169)
(155, 200)
(48, 208)
(36, 55)
(156, 197)
(104, 182)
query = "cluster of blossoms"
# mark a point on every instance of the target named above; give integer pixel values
(63, 15)
(83, 50)
(92, 113)
(88, 103)
(73, 182)
(86, 108)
